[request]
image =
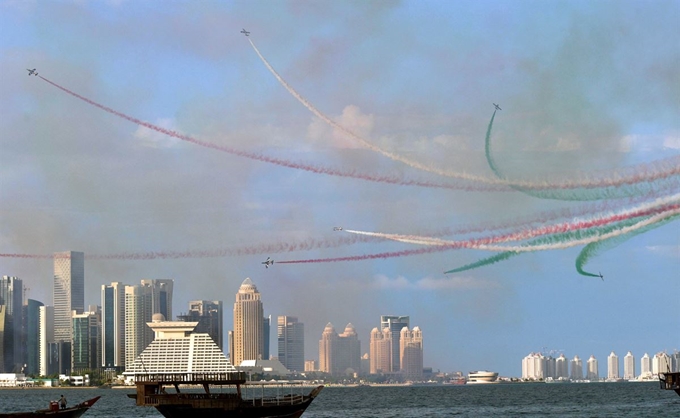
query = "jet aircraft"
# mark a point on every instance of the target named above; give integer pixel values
(245, 32)
(268, 262)
(32, 72)
(497, 107)
(601, 276)
(337, 228)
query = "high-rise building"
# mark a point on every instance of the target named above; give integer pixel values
(339, 354)
(593, 370)
(661, 363)
(266, 334)
(645, 365)
(11, 339)
(395, 325)
(248, 333)
(45, 338)
(161, 296)
(380, 351)
(411, 353)
(533, 367)
(576, 365)
(208, 314)
(550, 365)
(138, 311)
(69, 291)
(629, 366)
(348, 352)
(561, 367)
(613, 366)
(113, 325)
(32, 320)
(291, 343)
(86, 342)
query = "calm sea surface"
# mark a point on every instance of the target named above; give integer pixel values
(501, 400)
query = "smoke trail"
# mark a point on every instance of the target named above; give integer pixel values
(571, 238)
(547, 243)
(281, 162)
(624, 187)
(596, 248)
(643, 173)
(655, 207)
(273, 248)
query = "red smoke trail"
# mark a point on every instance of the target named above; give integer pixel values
(338, 241)
(281, 162)
(472, 243)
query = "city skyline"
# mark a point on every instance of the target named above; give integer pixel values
(219, 164)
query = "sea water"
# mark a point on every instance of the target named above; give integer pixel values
(622, 399)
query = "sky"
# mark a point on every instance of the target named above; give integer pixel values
(589, 90)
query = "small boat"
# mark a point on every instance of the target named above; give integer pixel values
(223, 395)
(670, 381)
(54, 411)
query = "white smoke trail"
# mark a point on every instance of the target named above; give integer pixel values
(643, 174)
(578, 223)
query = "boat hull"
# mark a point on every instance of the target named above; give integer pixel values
(73, 412)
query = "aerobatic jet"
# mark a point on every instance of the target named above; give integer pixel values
(497, 107)
(601, 276)
(32, 72)
(268, 262)
(245, 32)
(337, 228)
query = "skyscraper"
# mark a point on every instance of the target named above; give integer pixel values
(395, 324)
(661, 363)
(138, 311)
(86, 341)
(561, 367)
(380, 351)
(411, 349)
(266, 334)
(248, 333)
(339, 354)
(613, 366)
(113, 325)
(32, 336)
(45, 338)
(593, 370)
(645, 365)
(208, 314)
(533, 366)
(576, 365)
(291, 343)
(161, 296)
(11, 347)
(69, 291)
(629, 366)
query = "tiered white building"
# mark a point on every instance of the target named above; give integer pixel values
(576, 369)
(176, 349)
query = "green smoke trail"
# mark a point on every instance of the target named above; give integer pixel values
(553, 239)
(596, 248)
(575, 194)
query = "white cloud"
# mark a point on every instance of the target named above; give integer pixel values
(665, 250)
(672, 142)
(429, 283)
(351, 119)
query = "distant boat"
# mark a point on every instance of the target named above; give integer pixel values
(54, 411)
(482, 376)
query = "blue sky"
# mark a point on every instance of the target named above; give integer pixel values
(586, 88)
